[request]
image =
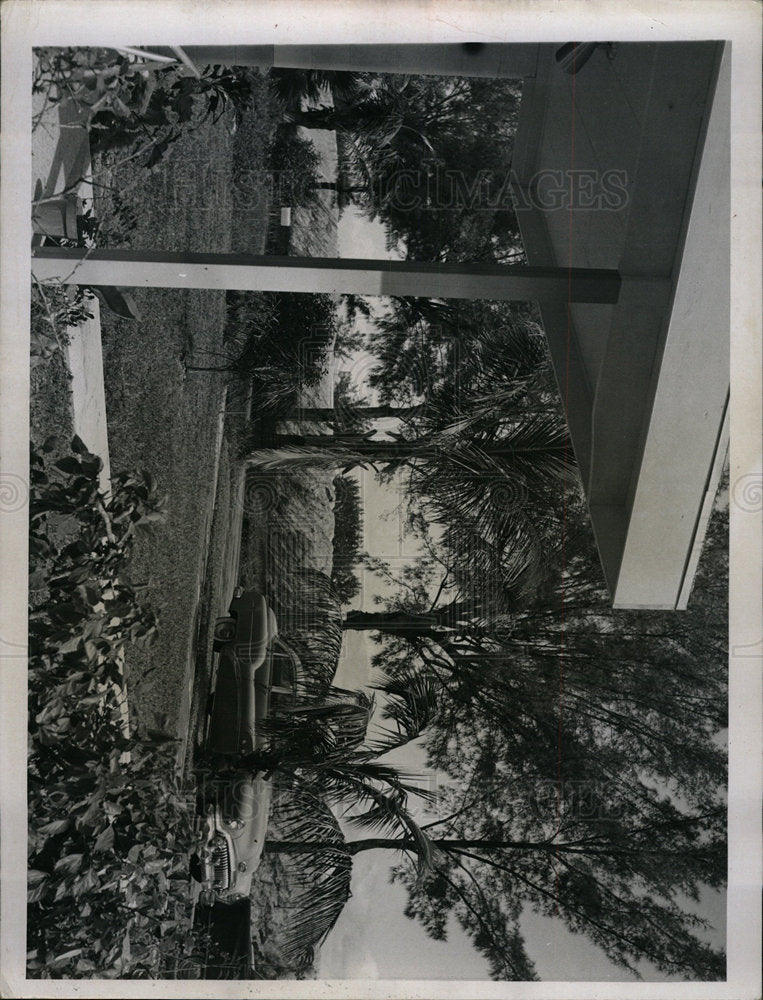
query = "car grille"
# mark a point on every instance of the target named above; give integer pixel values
(220, 863)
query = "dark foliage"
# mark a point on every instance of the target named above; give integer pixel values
(310, 615)
(581, 743)
(431, 158)
(293, 86)
(110, 824)
(319, 881)
(279, 341)
(132, 109)
(348, 537)
(295, 164)
(51, 312)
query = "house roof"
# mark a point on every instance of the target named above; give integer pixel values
(625, 165)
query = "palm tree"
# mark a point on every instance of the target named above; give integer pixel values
(387, 125)
(314, 753)
(429, 156)
(388, 112)
(293, 86)
(477, 862)
(498, 494)
(453, 858)
(316, 745)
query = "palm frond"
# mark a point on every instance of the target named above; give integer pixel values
(292, 86)
(300, 456)
(390, 817)
(412, 702)
(340, 779)
(307, 605)
(385, 791)
(321, 878)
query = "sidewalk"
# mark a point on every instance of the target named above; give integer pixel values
(61, 162)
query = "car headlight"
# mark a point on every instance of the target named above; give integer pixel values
(233, 824)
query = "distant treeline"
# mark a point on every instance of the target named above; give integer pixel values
(348, 536)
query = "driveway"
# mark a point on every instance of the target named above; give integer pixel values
(217, 580)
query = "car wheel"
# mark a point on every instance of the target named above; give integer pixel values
(196, 868)
(225, 630)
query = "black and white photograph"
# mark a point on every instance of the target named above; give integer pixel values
(386, 516)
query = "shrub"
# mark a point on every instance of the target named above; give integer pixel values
(130, 107)
(295, 164)
(110, 825)
(282, 342)
(310, 613)
(52, 311)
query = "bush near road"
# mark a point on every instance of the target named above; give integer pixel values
(110, 824)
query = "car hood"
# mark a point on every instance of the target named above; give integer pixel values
(241, 817)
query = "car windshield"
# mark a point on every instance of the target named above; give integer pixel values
(283, 677)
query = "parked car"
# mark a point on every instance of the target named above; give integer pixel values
(237, 822)
(255, 675)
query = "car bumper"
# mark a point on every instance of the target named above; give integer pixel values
(236, 831)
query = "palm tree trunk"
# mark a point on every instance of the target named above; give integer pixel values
(363, 412)
(422, 447)
(401, 844)
(338, 188)
(353, 847)
(206, 368)
(326, 118)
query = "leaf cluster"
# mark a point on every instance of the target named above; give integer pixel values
(279, 341)
(431, 156)
(585, 775)
(131, 104)
(110, 823)
(52, 312)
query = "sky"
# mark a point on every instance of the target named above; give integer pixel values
(373, 938)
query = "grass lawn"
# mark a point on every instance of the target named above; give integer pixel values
(50, 397)
(166, 420)
(160, 418)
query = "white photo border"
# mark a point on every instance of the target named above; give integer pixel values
(29, 23)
